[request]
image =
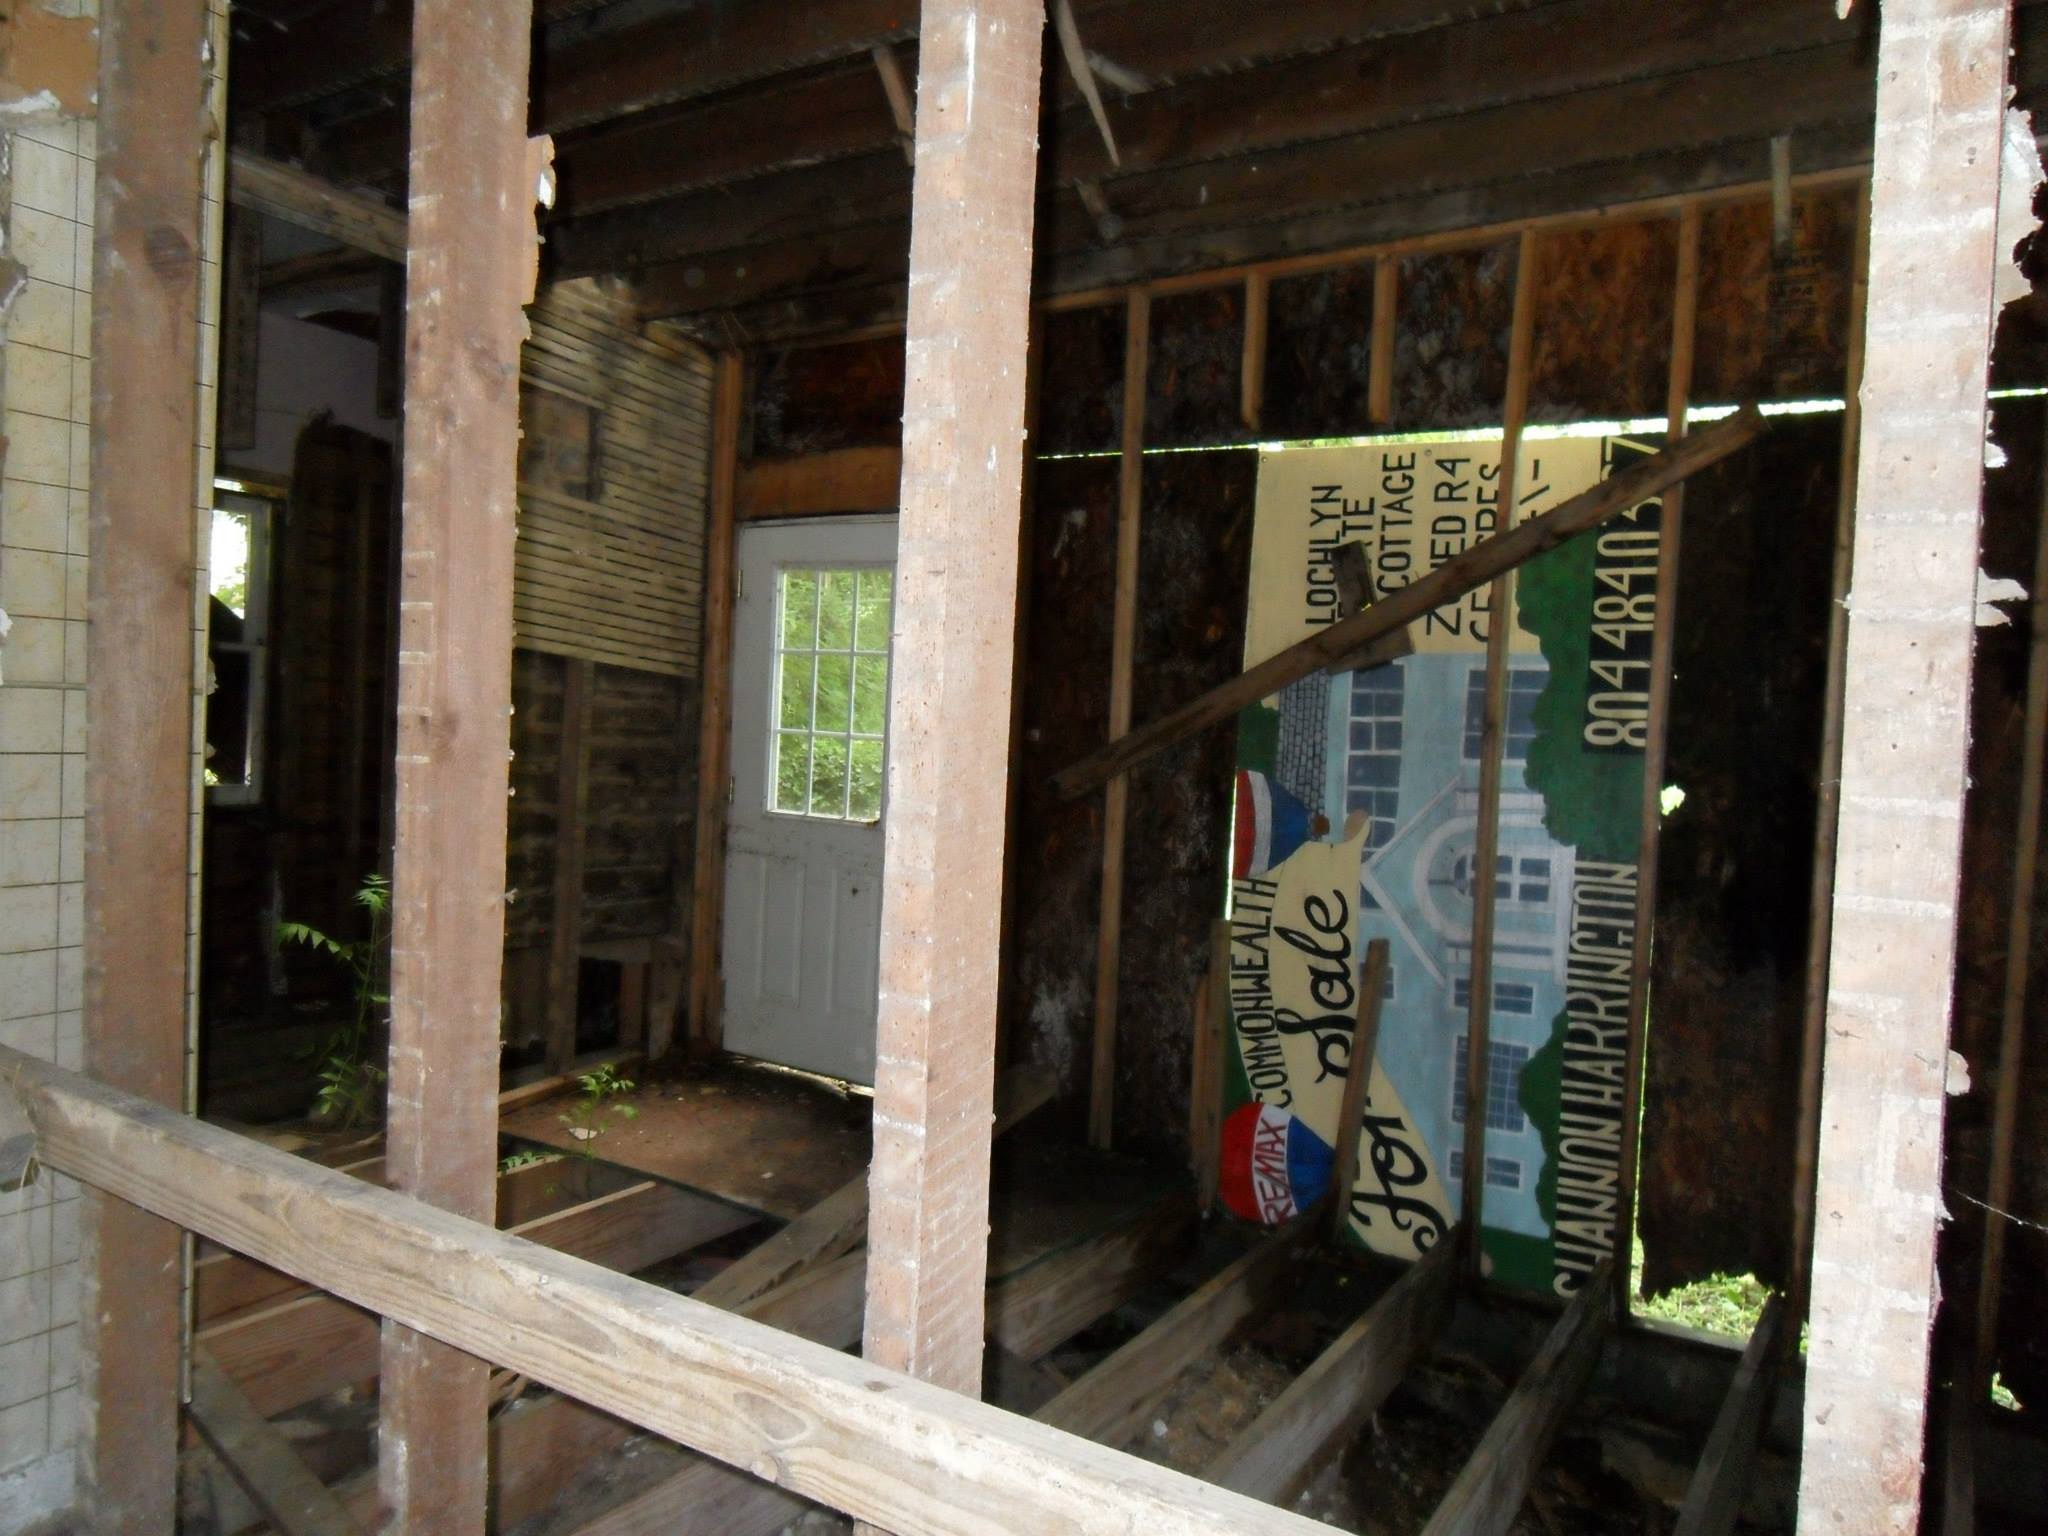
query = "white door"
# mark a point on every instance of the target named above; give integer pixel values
(803, 884)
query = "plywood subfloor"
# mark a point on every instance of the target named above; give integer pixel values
(769, 1141)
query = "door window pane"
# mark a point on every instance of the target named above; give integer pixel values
(832, 692)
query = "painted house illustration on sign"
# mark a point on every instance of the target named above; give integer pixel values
(1392, 756)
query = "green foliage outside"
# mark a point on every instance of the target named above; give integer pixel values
(833, 692)
(351, 1081)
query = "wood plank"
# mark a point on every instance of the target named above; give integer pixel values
(1650, 816)
(139, 794)
(855, 1435)
(1123, 645)
(1251, 389)
(839, 1222)
(1386, 281)
(1905, 752)
(1492, 766)
(470, 268)
(1714, 1497)
(845, 480)
(300, 1349)
(1108, 1403)
(565, 928)
(358, 220)
(1447, 583)
(950, 685)
(260, 1458)
(1313, 1419)
(714, 720)
(1828, 789)
(1034, 1310)
(1365, 1039)
(1211, 1048)
(1489, 1492)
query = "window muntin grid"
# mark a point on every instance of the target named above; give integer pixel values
(1504, 1063)
(1372, 758)
(1508, 996)
(831, 692)
(1501, 1172)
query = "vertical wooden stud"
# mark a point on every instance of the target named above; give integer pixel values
(1492, 760)
(1252, 380)
(1123, 648)
(1212, 1042)
(1685, 300)
(138, 764)
(714, 729)
(1941, 101)
(565, 927)
(950, 685)
(1386, 278)
(1365, 1042)
(470, 269)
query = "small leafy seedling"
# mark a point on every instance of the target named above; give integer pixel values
(351, 1081)
(596, 1091)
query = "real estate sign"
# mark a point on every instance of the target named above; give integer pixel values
(1356, 818)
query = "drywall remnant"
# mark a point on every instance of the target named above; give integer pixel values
(49, 62)
(1996, 589)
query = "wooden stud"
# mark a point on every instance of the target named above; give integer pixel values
(1941, 106)
(1677, 400)
(1500, 608)
(821, 1424)
(471, 261)
(1252, 371)
(714, 730)
(844, 480)
(1365, 1037)
(565, 929)
(259, 1457)
(1446, 584)
(839, 1223)
(285, 192)
(950, 685)
(139, 792)
(1489, 1491)
(1211, 1049)
(1040, 1307)
(1386, 279)
(1110, 1400)
(1714, 1497)
(1122, 662)
(1274, 1457)
(897, 89)
(1075, 52)
(1828, 787)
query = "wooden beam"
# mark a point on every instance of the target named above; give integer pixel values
(1075, 52)
(1650, 813)
(950, 684)
(1365, 1038)
(839, 1222)
(1123, 647)
(1108, 1403)
(358, 220)
(1941, 107)
(1500, 608)
(1040, 1307)
(901, 106)
(139, 791)
(310, 1344)
(1251, 388)
(714, 721)
(1714, 1497)
(852, 1434)
(1489, 1492)
(259, 1457)
(1313, 1419)
(1386, 281)
(1446, 584)
(843, 480)
(470, 267)
(565, 928)
(1211, 1046)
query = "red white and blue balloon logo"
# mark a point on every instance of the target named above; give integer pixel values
(1273, 1165)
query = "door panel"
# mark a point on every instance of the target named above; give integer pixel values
(804, 854)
